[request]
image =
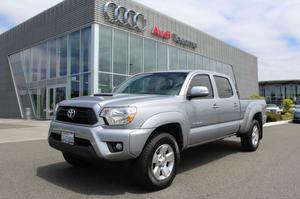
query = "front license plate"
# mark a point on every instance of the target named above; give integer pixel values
(67, 137)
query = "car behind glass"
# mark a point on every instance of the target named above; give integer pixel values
(297, 116)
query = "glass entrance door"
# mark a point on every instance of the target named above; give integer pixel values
(54, 96)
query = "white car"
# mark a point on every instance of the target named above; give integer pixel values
(295, 107)
(273, 108)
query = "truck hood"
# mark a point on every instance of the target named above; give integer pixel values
(115, 100)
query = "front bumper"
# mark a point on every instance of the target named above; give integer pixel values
(92, 142)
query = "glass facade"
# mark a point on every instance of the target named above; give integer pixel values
(122, 54)
(276, 92)
(53, 71)
(61, 68)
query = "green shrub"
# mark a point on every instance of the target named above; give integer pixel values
(273, 117)
(256, 96)
(287, 104)
(287, 116)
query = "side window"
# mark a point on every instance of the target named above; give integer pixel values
(224, 87)
(202, 80)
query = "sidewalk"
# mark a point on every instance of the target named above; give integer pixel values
(12, 130)
(276, 123)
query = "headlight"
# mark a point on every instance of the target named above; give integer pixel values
(118, 116)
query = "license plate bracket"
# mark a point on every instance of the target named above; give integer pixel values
(68, 137)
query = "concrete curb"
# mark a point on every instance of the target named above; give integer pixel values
(276, 123)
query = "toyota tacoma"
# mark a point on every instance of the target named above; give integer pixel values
(151, 118)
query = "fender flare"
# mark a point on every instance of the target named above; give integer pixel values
(167, 118)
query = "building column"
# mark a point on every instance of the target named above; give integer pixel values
(95, 59)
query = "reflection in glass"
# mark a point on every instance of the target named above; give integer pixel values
(191, 61)
(105, 49)
(120, 52)
(43, 51)
(105, 83)
(60, 94)
(36, 69)
(199, 63)
(75, 51)
(86, 48)
(182, 57)
(162, 57)
(118, 79)
(62, 56)
(75, 82)
(136, 55)
(86, 84)
(150, 55)
(35, 63)
(173, 58)
(52, 58)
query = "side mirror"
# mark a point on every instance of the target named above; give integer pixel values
(198, 91)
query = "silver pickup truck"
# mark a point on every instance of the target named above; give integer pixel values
(151, 118)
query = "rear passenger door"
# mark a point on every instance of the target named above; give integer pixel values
(227, 105)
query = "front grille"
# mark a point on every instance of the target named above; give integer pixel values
(85, 116)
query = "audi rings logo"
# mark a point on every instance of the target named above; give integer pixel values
(122, 16)
(71, 113)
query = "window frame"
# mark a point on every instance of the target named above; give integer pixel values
(211, 84)
(230, 84)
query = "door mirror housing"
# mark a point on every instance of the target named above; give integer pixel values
(198, 91)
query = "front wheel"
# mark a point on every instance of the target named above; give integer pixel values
(250, 141)
(157, 165)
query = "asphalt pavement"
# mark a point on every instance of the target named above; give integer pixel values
(31, 169)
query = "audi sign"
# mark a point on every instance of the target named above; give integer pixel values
(122, 16)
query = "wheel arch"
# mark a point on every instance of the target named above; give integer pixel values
(259, 117)
(173, 129)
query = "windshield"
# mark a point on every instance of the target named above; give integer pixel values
(154, 83)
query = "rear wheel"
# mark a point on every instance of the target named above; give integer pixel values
(250, 141)
(75, 161)
(157, 165)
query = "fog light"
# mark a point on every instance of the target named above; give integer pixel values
(119, 147)
(115, 146)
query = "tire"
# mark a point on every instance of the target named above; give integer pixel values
(75, 161)
(165, 166)
(250, 141)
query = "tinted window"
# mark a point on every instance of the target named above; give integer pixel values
(224, 87)
(202, 80)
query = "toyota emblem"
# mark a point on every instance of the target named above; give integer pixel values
(71, 113)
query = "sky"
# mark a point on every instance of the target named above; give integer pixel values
(268, 29)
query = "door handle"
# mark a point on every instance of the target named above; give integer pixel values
(236, 105)
(215, 106)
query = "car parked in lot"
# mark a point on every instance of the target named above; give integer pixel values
(273, 108)
(151, 118)
(295, 107)
(296, 118)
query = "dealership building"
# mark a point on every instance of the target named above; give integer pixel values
(82, 47)
(276, 91)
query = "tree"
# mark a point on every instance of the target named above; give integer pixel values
(287, 104)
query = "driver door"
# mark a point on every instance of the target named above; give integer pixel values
(201, 112)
